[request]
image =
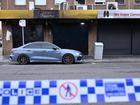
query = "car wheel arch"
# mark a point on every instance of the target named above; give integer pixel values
(67, 55)
(21, 55)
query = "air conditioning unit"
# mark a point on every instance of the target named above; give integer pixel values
(81, 7)
(112, 6)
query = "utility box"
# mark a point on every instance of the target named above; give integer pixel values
(98, 51)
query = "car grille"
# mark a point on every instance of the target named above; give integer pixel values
(79, 58)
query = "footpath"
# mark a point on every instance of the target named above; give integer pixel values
(90, 59)
(114, 59)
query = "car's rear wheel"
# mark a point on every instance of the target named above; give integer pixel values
(68, 59)
(23, 59)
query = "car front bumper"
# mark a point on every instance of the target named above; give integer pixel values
(12, 58)
(79, 59)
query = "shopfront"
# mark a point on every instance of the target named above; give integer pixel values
(119, 31)
(71, 29)
(75, 30)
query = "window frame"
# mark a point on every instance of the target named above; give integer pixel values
(49, 46)
(39, 4)
(81, 3)
(59, 1)
(136, 3)
(30, 46)
(120, 3)
(17, 2)
(98, 2)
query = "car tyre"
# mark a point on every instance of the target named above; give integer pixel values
(23, 59)
(68, 59)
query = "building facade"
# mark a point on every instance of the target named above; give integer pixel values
(74, 24)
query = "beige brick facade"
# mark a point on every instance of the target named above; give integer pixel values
(50, 4)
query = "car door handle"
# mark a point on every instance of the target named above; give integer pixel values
(28, 50)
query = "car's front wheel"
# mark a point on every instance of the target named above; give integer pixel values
(68, 59)
(23, 59)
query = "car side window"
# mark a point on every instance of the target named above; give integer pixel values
(33, 46)
(48, 46)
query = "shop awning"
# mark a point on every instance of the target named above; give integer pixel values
(78, 14)
(48, 14)
(16, 14)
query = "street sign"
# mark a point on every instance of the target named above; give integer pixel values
(22, 23)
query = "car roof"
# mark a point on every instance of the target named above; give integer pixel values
(38, 42)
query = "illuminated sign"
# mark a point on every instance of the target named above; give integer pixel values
(119, 14)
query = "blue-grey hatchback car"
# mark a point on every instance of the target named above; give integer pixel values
(44, 52)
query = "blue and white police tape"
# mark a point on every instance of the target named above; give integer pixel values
(69, 91)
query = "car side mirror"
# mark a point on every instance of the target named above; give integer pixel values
(55, 48)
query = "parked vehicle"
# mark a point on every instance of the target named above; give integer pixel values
(44, 52)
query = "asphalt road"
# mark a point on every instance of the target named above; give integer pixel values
(75, 71)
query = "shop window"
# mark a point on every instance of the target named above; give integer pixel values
(120, 2)
(137, 1)
(80, 1)
(40, 2)
(100, 2)
(20, 2)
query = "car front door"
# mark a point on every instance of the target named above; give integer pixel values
(51, 52)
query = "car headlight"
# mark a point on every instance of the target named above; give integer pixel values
(78, 53)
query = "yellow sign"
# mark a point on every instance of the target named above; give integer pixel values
(16, 14)
(78, 14)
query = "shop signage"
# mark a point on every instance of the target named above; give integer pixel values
(119, 14)
(46, 13)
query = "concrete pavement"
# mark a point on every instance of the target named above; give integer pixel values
(1, 57)
(114, 59)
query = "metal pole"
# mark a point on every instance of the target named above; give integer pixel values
(22, 35)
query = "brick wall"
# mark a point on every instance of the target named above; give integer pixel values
(10, 4)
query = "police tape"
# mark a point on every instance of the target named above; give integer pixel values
(69, 91)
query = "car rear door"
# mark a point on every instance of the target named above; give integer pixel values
(35, 51)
